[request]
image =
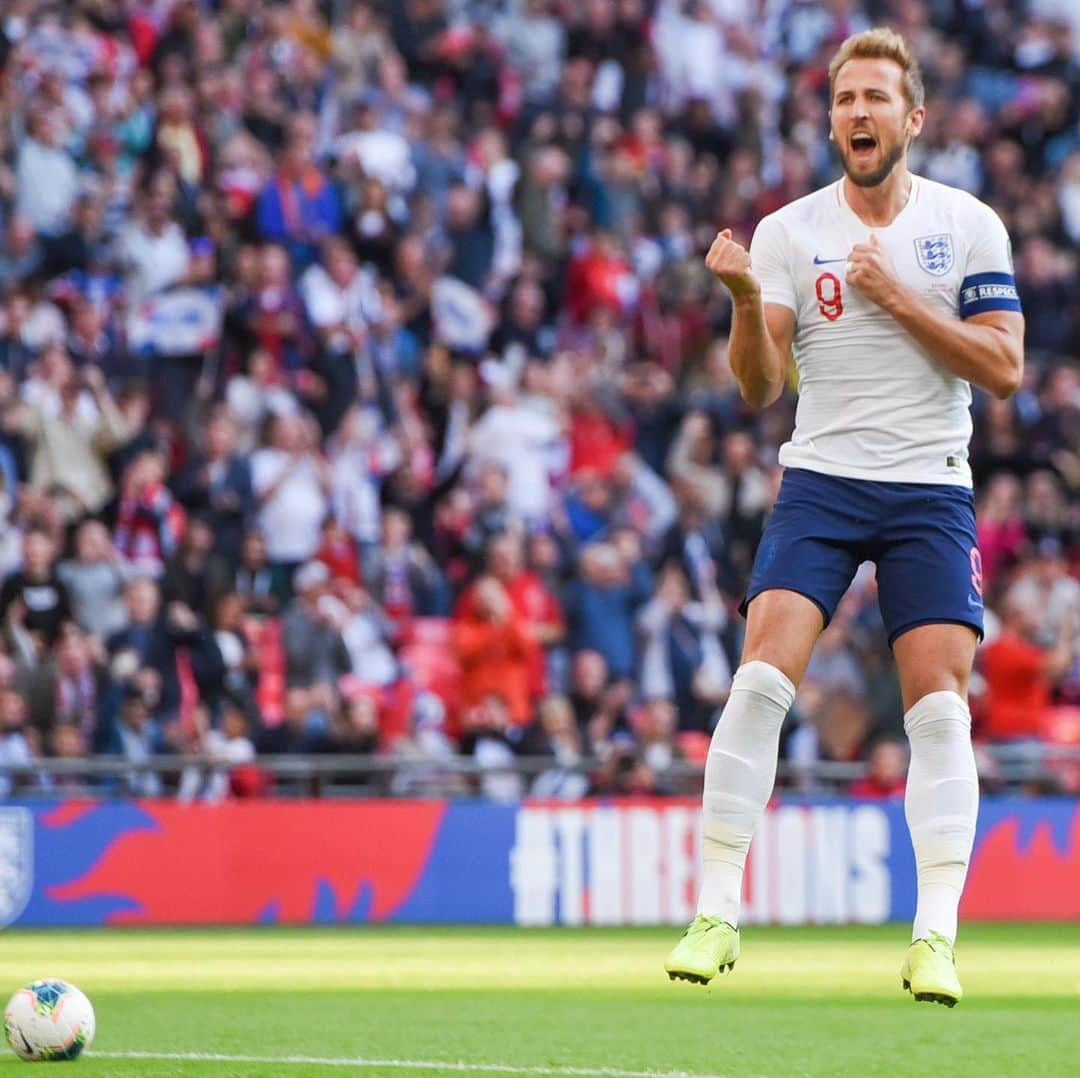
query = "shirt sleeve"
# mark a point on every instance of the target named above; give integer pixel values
(319, 302)
(771, 265)
(988, 283)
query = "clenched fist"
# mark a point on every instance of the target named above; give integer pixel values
(871, 271)
(730, 261)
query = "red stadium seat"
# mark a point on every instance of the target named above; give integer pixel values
(432, 664)
(1061, 726)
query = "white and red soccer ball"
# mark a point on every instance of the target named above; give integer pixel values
(49, 1020)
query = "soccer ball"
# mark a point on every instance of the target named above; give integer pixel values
(49, 1020)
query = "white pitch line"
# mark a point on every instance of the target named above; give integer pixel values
(402, 1065)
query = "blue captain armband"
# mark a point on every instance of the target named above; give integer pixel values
(988, 292)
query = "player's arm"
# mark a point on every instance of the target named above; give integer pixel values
(986, 348)
(761, 333)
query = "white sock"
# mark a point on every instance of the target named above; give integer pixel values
(941, 803)
(739, 776)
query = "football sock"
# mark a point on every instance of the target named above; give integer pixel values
(941, 803)
(739, 776)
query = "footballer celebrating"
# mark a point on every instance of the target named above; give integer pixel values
(894, 294)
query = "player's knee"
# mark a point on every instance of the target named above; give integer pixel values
(781, 628)
(766, 680)
(936, 709)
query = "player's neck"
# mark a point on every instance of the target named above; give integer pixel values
(878, 207)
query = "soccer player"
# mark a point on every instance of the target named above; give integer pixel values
(894, 293)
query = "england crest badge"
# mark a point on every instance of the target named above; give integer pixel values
(16, 862)
(935, 253)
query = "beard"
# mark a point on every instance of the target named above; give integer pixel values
(872, 179)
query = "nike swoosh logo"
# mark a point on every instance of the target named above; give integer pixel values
(819, 261)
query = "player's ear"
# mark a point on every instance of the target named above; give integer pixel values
(915, 122)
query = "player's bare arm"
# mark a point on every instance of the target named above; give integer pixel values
(986, 349)
(761, 333)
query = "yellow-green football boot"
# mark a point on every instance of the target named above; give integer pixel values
(929, 971)
(709, 946)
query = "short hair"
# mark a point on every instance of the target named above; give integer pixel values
(881, 43)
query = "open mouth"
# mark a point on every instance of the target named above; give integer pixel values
(863, 144)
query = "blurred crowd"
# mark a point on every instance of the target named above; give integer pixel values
(362, 387)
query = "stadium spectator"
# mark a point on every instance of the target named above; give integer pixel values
(1020, 673)
(886, 775)
(95, 580)
(532, 602)
(487, 739)
(682, 657)
(194, 574)
(34, 601)
(421, 754)
(16, 744)
(555, 734)
(602, 603)
(68, 431)
(402, 575)
(519, 438)
(227, 750)
(496, 651)
(315, 654)
(356, 730)
(367, 634)
(299, 207)
(217, 481)
(137, 741)
(264, 588)
(46, 178)
(1002, 533)
(149, 520)
(292, 483)
(151, 248)
(654, 725)
(240, 662)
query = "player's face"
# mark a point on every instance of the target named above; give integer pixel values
(872, 123)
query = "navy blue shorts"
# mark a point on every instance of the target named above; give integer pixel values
(920, 535)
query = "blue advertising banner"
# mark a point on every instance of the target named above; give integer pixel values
(538, 863)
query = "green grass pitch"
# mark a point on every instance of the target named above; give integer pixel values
(594, 1002)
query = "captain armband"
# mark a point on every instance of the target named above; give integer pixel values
(988, 292)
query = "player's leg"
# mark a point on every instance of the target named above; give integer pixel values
(801, 570)
(740, 772)
(942, 798)
(930, 593)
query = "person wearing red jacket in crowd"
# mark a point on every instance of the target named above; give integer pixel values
(531, 599)
(886, 773)
(597, 439)
(599, 276)
(495, 649)
(337, 551)
(1021, 675)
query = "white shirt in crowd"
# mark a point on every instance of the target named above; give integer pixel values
(357, 471)
(520, 438)
(153, 262)
(213, 784)
(327, 304)
(46, 182)
(291, 519)
(873, 404)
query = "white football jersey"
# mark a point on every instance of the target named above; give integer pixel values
(874, 404)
